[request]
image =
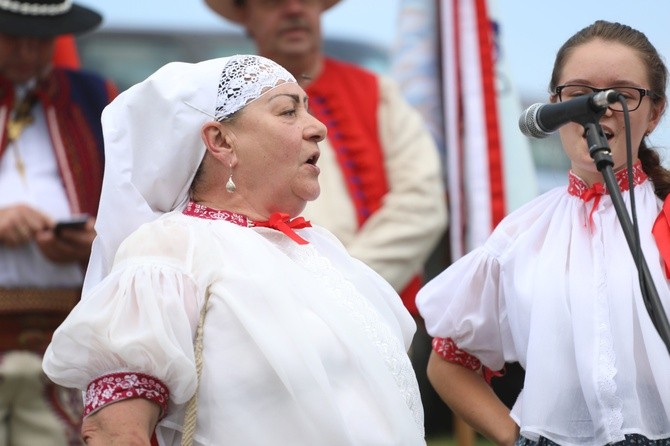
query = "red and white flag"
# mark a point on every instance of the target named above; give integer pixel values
(488, 167)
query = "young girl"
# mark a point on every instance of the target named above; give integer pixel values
(555, 286)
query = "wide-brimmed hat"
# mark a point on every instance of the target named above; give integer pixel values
(229, 10)
(45, 18)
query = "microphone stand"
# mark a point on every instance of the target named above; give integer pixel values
(602, 156)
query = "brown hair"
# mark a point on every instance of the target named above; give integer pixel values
(657, 74)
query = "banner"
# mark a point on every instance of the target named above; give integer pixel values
(448, 57)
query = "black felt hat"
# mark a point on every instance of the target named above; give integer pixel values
(45, 18)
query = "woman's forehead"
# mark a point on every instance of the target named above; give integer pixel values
(604, 62)
(286, 89)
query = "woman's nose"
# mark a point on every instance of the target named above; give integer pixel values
(316, 129)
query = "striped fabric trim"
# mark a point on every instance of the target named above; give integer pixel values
(474, 153)
(64, 165)
(494, 145)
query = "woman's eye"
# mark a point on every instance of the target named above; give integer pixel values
(577, 93)
(290, 112)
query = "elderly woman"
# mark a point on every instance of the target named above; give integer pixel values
(209, 314)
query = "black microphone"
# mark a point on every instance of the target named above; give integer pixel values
(541, 120)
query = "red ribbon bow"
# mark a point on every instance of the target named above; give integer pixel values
(282, 222)
(661, 232)
(596, 191)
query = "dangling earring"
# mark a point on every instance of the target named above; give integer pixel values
(230, 185)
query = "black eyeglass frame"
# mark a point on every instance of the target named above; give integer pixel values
(643, 92)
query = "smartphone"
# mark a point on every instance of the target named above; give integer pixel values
(74, 222)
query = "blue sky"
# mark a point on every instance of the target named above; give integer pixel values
(532, 31)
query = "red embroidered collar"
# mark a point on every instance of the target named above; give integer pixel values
(198, 210)
(279, 221)
(578, 188)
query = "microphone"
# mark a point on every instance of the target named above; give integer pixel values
(541, 120)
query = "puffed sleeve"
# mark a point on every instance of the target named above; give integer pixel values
(465, 303)
(139, 320)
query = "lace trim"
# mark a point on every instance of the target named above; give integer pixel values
(245, 79)
(612, 404)
(366, 316)
(115, 387)
(449, 351)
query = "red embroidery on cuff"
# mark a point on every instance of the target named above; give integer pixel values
(449, 351)
(121, 386)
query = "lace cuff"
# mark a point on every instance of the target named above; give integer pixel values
(116, 387)
(449, 351)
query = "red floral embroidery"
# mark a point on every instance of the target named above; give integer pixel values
(121, 386)
(197, 210)
(578, 188)
(280, 222)
(449, 351)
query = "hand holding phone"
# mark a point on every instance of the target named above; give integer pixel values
(74, 222)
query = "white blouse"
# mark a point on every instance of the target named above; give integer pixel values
(303, 344)
(555, 288)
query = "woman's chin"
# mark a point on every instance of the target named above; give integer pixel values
(313, 195)
(309, 192)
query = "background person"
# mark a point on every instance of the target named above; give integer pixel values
(300, 343)
(382, 191)
(51, 165)
(555, 286)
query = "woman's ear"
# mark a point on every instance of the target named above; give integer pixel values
(657, 110)
(218, 140)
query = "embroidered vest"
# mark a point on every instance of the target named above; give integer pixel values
(73, 102)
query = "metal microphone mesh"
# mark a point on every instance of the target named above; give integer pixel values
(528, 123)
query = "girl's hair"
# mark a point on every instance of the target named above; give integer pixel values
(657, 74)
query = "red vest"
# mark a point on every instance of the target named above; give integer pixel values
(346, 99)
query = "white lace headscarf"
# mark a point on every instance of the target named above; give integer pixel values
(153, 145)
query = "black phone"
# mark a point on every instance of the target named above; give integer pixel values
(74, 222)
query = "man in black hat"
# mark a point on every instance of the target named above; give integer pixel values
(51, 165)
